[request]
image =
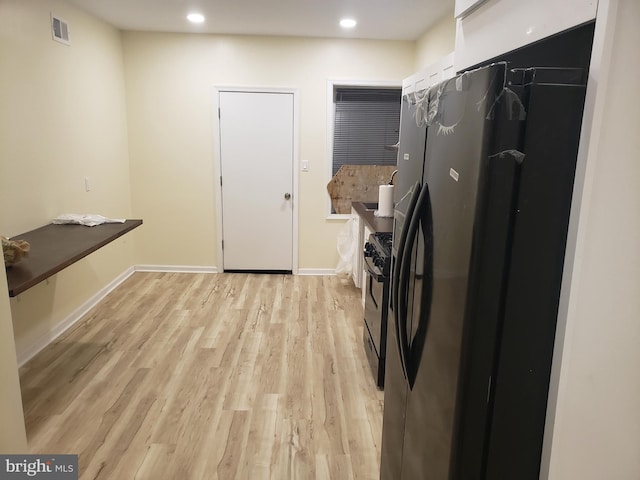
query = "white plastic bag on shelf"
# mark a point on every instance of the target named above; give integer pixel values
(346, 249)
(86, 219)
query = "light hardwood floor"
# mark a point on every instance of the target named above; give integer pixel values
(196, 376)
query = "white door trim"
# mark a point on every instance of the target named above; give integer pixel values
(218, 165)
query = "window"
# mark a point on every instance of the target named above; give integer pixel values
(366, 119)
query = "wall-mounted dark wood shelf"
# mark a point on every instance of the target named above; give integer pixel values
(55, 247)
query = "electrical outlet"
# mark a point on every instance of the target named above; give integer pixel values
(87, 184)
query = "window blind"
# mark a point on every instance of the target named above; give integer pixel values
(366, 119)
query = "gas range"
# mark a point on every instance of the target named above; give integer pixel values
(377, 254)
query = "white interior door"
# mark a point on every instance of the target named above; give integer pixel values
(256, 162)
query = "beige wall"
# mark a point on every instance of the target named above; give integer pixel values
(62, 117)
(436, 42)
(597, 411)
(170, 80)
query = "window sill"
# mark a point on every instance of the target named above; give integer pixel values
(338, 216)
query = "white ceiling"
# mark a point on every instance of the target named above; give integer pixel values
(377, 19)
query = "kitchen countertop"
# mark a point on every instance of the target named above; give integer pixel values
(376, 224)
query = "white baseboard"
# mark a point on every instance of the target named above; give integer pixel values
(316, 271)
(198, 269)
(28, 353)
(175, 268)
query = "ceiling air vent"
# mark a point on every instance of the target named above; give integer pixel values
(60, 30)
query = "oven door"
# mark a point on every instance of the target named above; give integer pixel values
(375, 303)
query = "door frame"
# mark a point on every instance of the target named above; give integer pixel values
(218, 166)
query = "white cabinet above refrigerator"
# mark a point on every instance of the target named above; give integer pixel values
(495, 27)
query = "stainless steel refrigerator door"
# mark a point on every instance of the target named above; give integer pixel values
(396, 389)
(410, 151)
(408, 184)
(456, 143)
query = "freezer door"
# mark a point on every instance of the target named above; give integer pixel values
(395, 399)
(408, 183)
(410, 151)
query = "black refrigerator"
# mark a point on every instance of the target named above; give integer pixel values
(486, 164)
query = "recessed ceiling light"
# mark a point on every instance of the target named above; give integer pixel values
(348, 23)
(195, 17)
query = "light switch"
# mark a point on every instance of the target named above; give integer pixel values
(87, 184)
(305, 166)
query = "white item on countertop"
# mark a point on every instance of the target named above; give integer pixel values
(87, 219)
(385, 201)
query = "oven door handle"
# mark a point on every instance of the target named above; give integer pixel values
(400, 301)
(373, 270)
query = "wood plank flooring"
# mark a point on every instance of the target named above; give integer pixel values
(196, 376)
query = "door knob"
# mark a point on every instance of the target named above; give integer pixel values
(287, 196)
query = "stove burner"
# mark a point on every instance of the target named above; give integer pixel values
(378, 250)
(385, 240)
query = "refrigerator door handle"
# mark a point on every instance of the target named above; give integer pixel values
(424, 201)
(397, 300)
